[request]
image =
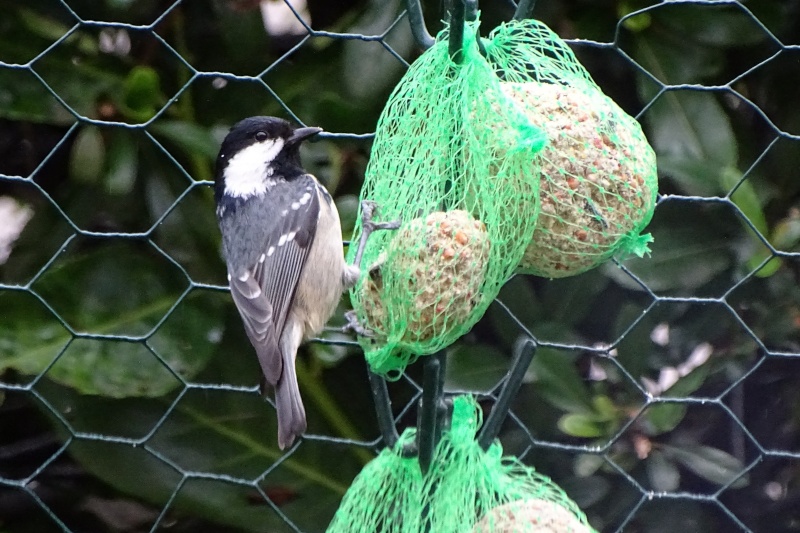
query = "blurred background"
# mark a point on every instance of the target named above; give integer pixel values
(666, 394)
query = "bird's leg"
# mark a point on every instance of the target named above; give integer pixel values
(368, 208)
(368, 226)
(355, 326)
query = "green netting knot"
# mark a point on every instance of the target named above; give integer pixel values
(530, 138)
(635, 244)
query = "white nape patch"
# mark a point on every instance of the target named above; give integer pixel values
(305, 198)
(262, 258)
(270, 251)
(244, 277)
(248, 172)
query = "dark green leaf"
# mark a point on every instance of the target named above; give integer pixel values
(474, 368)
(189, 137)
(636, 23)
(709, 463)
(691, 126)
(42, 25)
(220, 433)
(521, 300)
(568, 300)
(369, 71)
(88, 155)
(142, 93)
(123, 163)
(605, 410)
(587, 464)
(786, 234)
(556, 378)
(347, 205)
(636, 342)
(721, 26)
(331, 354)
(674, 60)
(578, 425)
(664, 417)
(86, 293)
(744, 197)
(586, 491)
(686, 254)
(692, 176)
(689, 383)
(664, 476)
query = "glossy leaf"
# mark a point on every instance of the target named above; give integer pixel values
(579, 425)
(685, 257)
(475, 368)
(662, 473)
(664, 417)
(189, 137)
(201, 436)
(123, 163)
(555, 377)
(709, 463)
(88, 155)
(142, 93)
(721, 26)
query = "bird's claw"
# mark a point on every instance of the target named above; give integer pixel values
(354, 325)
(368, 210)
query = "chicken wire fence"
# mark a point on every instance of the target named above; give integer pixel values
(664, 391)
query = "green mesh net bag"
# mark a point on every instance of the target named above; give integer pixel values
(466, 196)
(598, 173)
(465, 490)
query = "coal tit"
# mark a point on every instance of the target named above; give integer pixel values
(282, 243)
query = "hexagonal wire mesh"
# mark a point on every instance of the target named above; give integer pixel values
(667, 377)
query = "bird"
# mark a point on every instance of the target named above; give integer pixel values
(282, 244)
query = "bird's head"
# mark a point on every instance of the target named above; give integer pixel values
(256, 153)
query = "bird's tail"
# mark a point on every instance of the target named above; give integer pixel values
(288, 403)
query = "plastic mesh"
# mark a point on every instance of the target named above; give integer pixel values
(440, 168)
(456, 163)
(466, 489)
(598, 172)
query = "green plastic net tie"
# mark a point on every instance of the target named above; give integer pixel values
(634, 244)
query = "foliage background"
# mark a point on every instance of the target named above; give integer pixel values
(665, 396)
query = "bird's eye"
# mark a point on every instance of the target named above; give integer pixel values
(261, 136)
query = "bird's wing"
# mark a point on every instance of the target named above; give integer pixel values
(263, 289)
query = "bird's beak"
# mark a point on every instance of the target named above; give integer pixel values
(301, 134)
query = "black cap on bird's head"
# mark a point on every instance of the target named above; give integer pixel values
(257, 149)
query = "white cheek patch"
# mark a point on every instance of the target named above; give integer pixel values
(247, 173)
